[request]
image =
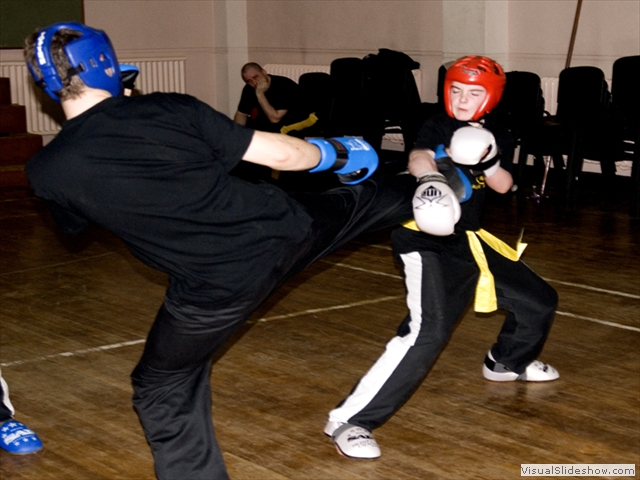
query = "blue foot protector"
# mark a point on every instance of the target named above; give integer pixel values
(17, 438)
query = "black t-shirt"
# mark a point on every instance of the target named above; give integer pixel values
(283, 94)
(153, 169)
(438, 130)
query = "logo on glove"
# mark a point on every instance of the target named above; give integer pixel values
(430, 196)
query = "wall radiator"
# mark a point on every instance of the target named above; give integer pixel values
(550, 93)
(294, 71)
(167, 75)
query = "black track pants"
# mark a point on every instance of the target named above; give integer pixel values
(171, 382)
(441, 276)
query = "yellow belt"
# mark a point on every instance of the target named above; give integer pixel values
(307, 122)
(486, 300)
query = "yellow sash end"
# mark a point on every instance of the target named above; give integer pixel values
(307, 122)
(411, 225)
(486, 300)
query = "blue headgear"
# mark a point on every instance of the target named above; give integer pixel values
(128, 75)
(91, 56)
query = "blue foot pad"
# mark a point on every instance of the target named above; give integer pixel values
(17, 438)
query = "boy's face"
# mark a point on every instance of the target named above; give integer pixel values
(466, 99)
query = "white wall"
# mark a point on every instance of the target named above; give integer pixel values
(156, 29)
(318, 31)
(540, 33)
(217, 36)
(521, 34)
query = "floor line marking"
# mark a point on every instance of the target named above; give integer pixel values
(551, 280)
(595, 289)
(75, 353)
(11, 217)
(328, 309)
(596, 320)
(261, 320)
(366, 270)
(280, 317)
(61, 264)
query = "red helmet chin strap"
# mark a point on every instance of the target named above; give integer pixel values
(476, 70)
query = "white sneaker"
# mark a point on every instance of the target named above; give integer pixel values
(355, 442)
(331, 427)
(536, 371)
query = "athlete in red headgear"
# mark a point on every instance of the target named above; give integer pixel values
(474, 71)
(448, 259)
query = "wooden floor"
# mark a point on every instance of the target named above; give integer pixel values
(74, 314)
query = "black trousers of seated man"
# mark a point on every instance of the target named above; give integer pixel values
(171, 382)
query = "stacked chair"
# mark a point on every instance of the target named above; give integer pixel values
(625, 98)
(522, 110)
(588, 128)
(315, 91)
(371, 96)
(375, 95)
(590, 123)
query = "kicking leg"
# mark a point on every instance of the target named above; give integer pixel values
(172, 392)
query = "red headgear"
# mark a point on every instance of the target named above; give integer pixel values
(476, 70)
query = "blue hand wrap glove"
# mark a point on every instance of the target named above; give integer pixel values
(456, 179)
(352, 159)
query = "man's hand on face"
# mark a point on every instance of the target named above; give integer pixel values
(262, 85)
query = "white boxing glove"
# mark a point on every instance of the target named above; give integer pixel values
(436, 209)
(475, 147)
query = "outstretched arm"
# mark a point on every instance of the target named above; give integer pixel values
(281, 152)
(352, 159)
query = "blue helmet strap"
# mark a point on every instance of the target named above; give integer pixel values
(74, 71)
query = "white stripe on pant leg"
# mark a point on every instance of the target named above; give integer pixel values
(5, 396)
(395, 351)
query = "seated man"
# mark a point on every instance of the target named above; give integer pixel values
(268, 102)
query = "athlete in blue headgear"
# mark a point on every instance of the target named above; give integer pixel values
(154, 170)
(85, 58)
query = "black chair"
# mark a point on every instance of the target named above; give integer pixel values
(442, 73)
(625, 98)
(390, 87)
(418, 114)
(350, 110)
(316, 98)
(589, 129)
(625, 95)
(521, 110)
(374, 96)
